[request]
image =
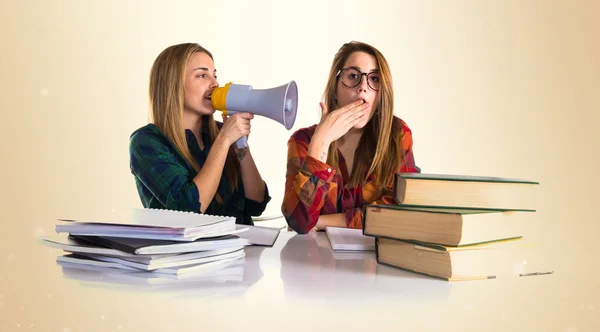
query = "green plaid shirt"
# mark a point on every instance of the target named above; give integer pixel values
(164, 179)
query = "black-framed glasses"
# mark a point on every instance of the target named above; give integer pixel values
(351, 78)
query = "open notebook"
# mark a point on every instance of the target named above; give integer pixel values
(349, 239)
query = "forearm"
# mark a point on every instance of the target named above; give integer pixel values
(308, 183)
(331, 220)
(207, 180)
(254, 186)
(318, 148)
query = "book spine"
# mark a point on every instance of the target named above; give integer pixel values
(399, 188)
(364, 218)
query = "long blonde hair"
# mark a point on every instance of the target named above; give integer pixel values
(167, 88)
(381, 155)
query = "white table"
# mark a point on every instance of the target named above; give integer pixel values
(299, 284)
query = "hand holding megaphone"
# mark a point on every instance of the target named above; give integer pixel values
(279, 104)
(236, 127)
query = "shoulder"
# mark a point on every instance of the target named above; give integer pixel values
(404, 133)
(145, 131)
(303, 135)
(147, 136)
(400, 127)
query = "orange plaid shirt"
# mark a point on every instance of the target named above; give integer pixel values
(314, 188)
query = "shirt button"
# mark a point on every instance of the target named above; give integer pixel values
(329, 170)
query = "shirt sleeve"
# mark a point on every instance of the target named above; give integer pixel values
(255, 208)
(354, 217)
(162, 171)
(308, 181)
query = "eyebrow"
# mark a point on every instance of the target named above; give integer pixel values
(203, 68)
(372, 70)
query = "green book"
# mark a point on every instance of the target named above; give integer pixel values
(465, 192)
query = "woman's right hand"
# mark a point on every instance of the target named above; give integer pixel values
(335, 124)
(235, 127)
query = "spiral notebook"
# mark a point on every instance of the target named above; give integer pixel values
(150, 224)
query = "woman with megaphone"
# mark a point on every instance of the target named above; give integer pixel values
(185, 160)
(350, 157)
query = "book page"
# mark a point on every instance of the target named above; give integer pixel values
(349, 239)
(259, 235)
(150, 218)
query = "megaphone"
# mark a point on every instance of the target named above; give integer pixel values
(279, 104)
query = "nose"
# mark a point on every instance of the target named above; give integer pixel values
(214, 83)
(363, 84)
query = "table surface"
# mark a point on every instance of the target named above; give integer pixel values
(299, 284)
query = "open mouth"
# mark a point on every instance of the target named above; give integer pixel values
(208, 97)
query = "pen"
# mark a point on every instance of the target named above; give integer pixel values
(535, 274)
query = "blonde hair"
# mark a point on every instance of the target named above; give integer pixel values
(167, 95)
(380, 155)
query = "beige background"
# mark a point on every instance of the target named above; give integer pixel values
(502, 88)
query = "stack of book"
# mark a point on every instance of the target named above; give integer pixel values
(150, 240)
(453, 227)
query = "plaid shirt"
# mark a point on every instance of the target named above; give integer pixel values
(313, 188)
(164, 179)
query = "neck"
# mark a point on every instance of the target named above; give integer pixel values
(351, 137)
(192, 122)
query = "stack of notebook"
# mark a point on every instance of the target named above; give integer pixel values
(453, 227)
(152, 240)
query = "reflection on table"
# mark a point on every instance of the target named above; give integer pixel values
(310, 268)
(229, 279)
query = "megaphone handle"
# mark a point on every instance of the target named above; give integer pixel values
(241, 143)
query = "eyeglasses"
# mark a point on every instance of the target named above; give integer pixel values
(351, 78)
